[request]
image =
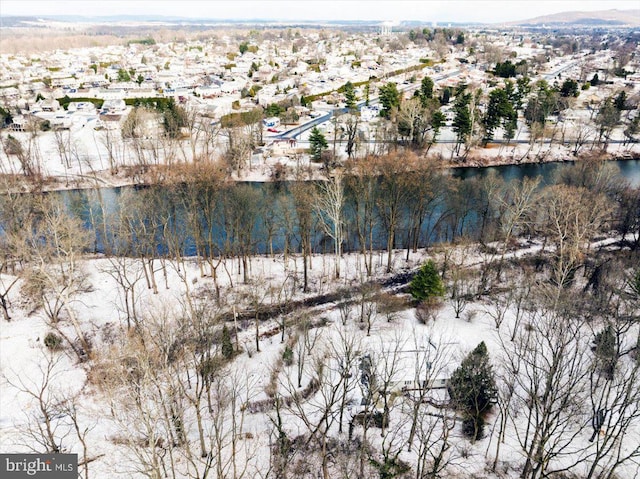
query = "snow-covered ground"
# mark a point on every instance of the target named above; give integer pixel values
(92, 152)
(252, 375)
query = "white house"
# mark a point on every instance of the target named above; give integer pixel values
(19, 123)
(83, 106)
(61, 121)
(48, 105)
(114, 106)
(210, 91)
(271, 122)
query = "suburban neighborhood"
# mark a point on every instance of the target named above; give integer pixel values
(310, 240)
(288, 77)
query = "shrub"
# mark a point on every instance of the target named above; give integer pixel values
(428, 310)
(278, 173)
(53, 342)
(227, 346)
(287, 356)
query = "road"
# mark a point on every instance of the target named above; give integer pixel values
(562, 69)
(294, 133)
(298, 130)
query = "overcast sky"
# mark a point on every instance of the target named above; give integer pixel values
(387, 10)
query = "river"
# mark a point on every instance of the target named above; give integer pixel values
(268, 232)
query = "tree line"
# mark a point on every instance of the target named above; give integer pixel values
(563, 371)
(378, 203)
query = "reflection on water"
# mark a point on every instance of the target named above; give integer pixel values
(99, 208)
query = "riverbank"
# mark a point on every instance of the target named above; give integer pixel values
(283, 168)
(499, 154)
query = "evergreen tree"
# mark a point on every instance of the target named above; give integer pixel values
(349, 96)
(505, 70)
(607, 118)
(317, 143)
(426, 283)
(620, 101)
(500, 110)
(473, 391)
(227, 346)
(462, 120)
(491, 119)
(123, 75)
(389, 98)
(273, 109)
(426, 90)
(445, 96)
(606, 351)
(569, 88)
(438, 120)
(523, 90)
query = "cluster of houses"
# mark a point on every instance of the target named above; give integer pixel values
(232, 71)
(212, 71)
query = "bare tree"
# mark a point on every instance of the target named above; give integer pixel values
(15, 212)
(427, 187)
(54, 243)
(614, 375)
(127, 273)
(239, 146)
(203, 206)
(63, 145)
(345, 351)
(351, 125)
(329, 205)
(569, 217)
(432, 356)
(302, 194)
(387, 369)
(320, 411)
(516, 211)
(112, 141)
(242, 206)
(70, 409)
(393, 172)
(180, 410)
(361, 182)
(141, 131)
(546, 367)
(28, 155)
(46, 429)
(367, 304)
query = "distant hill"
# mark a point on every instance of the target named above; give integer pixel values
(630, 18)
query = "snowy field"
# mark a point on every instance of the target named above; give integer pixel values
(239, 419)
